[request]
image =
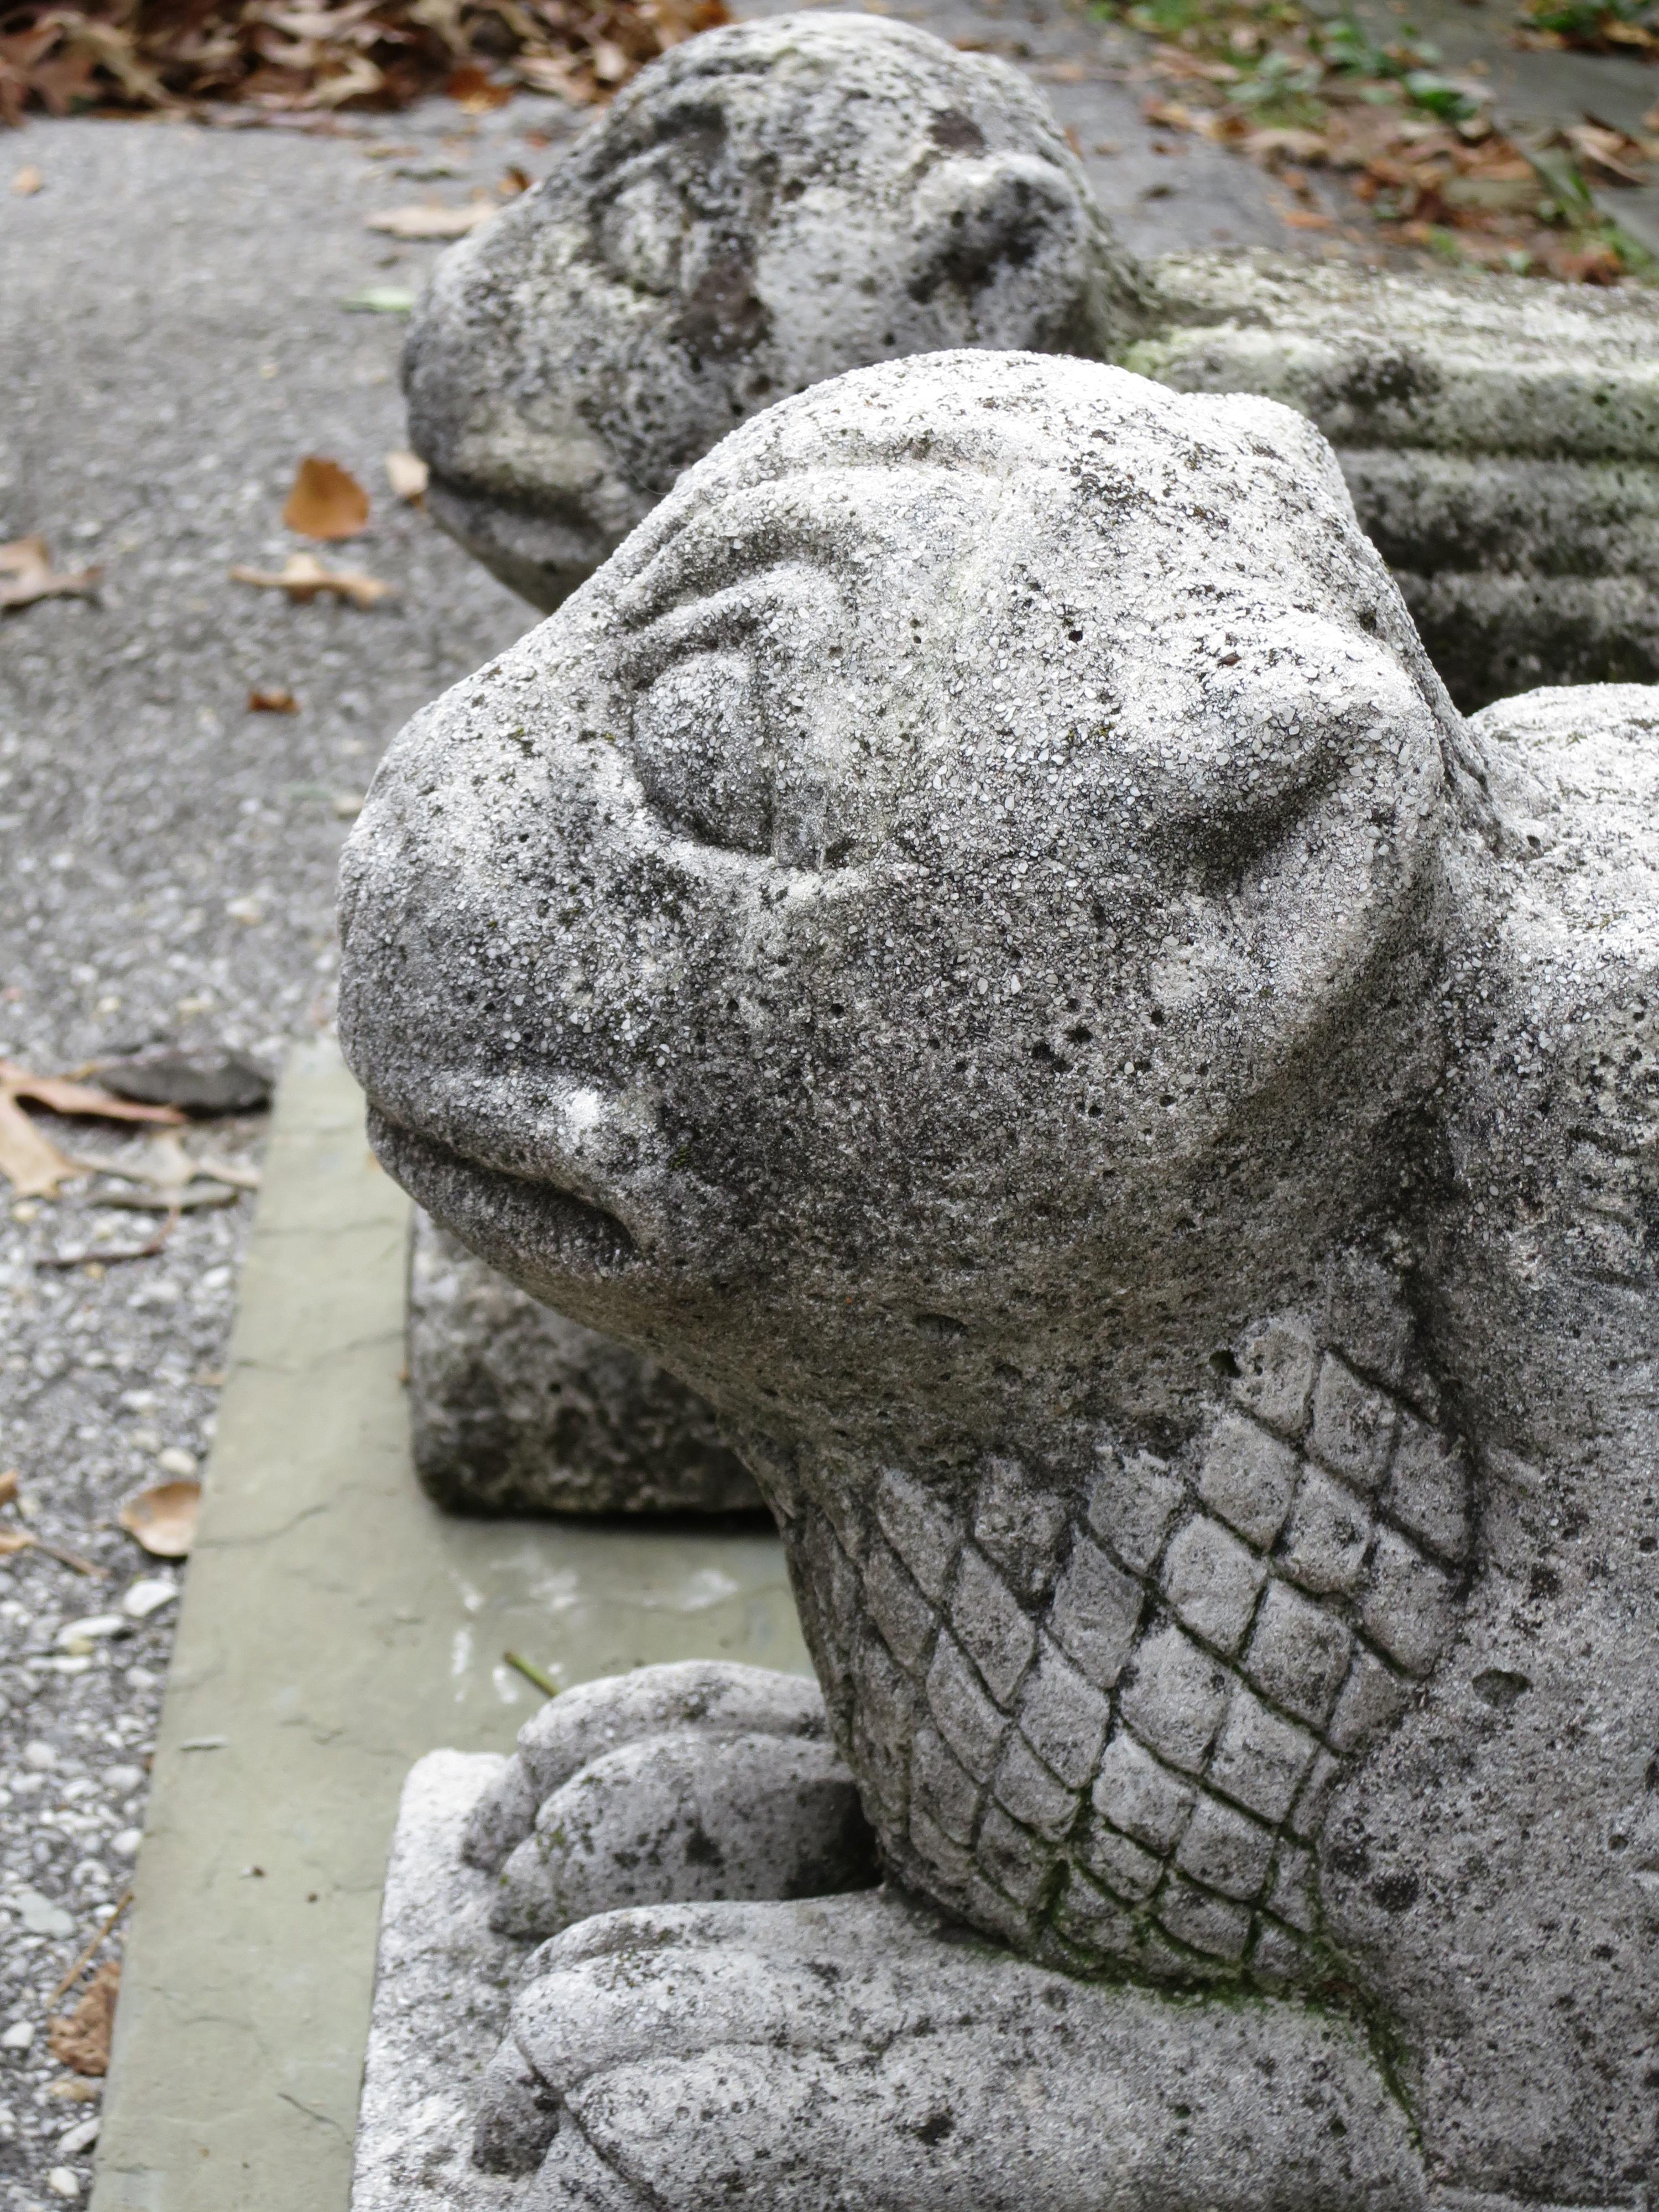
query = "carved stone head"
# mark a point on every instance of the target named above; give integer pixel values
(980, 940)
(764, 207)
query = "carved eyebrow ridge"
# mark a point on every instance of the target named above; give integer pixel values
(757, 524)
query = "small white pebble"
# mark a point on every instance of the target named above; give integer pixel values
(125, 1845)
(122, 1781)
(175, 1460)
(88, 1630)
(18, 2036)
(39, 1755)
(149, 1595)
(145, 1440)
(81, 2137)
(63, 2182)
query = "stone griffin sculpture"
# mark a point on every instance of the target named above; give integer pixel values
(980, 941)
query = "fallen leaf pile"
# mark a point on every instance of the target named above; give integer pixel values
(27, 572)
(303, 576)
(1601, 26)
(293, 56)
(81, 2039)
(29, 1160)
(1424, 163)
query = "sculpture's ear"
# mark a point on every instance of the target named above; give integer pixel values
(991, 222)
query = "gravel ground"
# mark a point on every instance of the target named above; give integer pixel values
(174, 341)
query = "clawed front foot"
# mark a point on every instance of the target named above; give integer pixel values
(858, 2052)
(683, 1783)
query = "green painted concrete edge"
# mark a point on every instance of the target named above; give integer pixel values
(333, 1628)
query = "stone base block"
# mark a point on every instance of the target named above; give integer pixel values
(442, 1994)
(517, 1410)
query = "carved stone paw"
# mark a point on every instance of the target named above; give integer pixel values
(685, 1782)
(860, 2051)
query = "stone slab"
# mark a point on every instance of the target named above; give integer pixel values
(336, 1627)
(443, 1991)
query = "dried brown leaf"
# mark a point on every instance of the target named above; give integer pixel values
(1610, 151)
(1291, 145)
(27, 562)
(61, 1094)
(408, 475)
(162, 1519)
(277, 701)
(81, 2039)
(326, 501)
(429, 222)
(475, 91)
(304, 576)
(558, 73)
(29, 1160)
(9, 1482)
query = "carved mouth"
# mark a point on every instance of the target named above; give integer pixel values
(499, 1212)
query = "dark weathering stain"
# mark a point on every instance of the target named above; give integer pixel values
(953, 132)
(1397, 1892)
(1379, 380)
(702, 1849)
(722, 315)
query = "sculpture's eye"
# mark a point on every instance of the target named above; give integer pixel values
(702, 752)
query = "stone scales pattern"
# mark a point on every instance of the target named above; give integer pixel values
(1125, 1728)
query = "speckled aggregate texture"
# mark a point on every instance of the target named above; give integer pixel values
(701, 1780)
(1500, 439)
(516, 1410)
(981, 939)
(792, 2000)
(764, 207)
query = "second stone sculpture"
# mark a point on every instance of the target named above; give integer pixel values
(515, 1409)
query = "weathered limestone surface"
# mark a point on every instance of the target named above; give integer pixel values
(516, 1410)
(766, 205)
(972, 2021)
(704, 1780)
(981, 938)
(1500, 439)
